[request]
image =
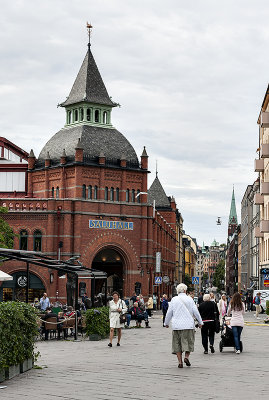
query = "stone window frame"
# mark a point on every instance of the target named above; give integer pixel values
(111, 195)
(26, 236)
(117, 194)
(90, 192)
(37, 235)
(83, 191)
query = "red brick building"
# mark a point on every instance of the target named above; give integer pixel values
(86, 195)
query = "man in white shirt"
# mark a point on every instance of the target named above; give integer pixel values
(182, 311)
(44, 302)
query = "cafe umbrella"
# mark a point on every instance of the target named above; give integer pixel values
(5, 277)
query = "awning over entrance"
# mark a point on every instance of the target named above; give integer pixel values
(71, 266)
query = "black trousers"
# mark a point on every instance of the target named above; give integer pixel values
(208, 332)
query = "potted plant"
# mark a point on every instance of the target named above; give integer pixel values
(18, 330)
(97, 323)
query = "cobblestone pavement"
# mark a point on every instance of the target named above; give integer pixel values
(144, 368)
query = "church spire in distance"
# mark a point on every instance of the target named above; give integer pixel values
(233, 223)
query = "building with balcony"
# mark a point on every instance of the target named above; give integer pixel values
(261, 198)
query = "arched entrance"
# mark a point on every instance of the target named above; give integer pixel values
(16, 289)
(110, 261)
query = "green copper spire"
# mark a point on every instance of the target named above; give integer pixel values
(233, 215)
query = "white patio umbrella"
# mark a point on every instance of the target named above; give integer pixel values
(5, 277)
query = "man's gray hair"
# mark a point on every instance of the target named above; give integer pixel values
(206, 297)
(181, 288)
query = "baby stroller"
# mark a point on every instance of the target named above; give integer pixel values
(227, 337)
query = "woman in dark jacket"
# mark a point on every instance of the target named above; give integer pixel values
(165, 306)
(209, 313)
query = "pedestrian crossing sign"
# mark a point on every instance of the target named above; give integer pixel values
(195, 280)
(158, 280)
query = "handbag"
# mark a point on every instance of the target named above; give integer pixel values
(123, 318)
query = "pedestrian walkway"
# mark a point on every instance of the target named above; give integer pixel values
(144, 368)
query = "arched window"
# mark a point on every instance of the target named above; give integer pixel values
(127, 195)
(81, 114)
(88, 114)
(57, 192)
(69, 114)
(95, 192)
(90, 192)
(133, 195)
(117, 194)
(138, 197)
(76, 115)
(106, 193)
(23, 240)
(84, 191)
(52, 192)
(112, 194)
(37, 241)
(96, 116)
(105, 117)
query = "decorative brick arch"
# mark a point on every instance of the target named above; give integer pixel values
(116, 241)
(37, 271)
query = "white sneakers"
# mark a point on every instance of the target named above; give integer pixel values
(237, 352)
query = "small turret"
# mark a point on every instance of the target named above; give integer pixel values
(47, 160)
(31, 160)
(144, 159)
(102, 158)
(79, 152)
(63, 157)
(123, 162)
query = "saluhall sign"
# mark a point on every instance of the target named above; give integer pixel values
(95, 223)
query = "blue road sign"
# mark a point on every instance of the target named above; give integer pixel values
(195, 280)
(158, 280)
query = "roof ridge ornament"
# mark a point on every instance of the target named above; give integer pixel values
(89, 27)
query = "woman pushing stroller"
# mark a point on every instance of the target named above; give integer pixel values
(237, 308)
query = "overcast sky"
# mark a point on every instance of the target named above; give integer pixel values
(190, 77)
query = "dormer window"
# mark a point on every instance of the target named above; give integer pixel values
(69, 114)
(96, 116)
(75, 115)
(105, 117)
(88, 114)
(81, 114)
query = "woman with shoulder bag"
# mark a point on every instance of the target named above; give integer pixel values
(210, 314)
(237, 308)
(116, 308)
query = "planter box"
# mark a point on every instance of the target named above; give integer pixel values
(95, 337)
(2, 376)
(26, 365)
(12, 371)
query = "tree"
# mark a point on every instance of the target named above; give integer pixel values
(219, 276)
(6, 232)
(187, 281)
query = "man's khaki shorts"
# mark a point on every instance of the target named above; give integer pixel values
(183, 340)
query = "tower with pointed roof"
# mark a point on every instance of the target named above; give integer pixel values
(233, 223)
(87, 197)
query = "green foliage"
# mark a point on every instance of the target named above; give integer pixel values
(18, 330)
(267, 307)
(97, 321)
(6, 233)
(187, 281)
(219, 275)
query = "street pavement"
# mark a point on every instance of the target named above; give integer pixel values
(144, 368)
